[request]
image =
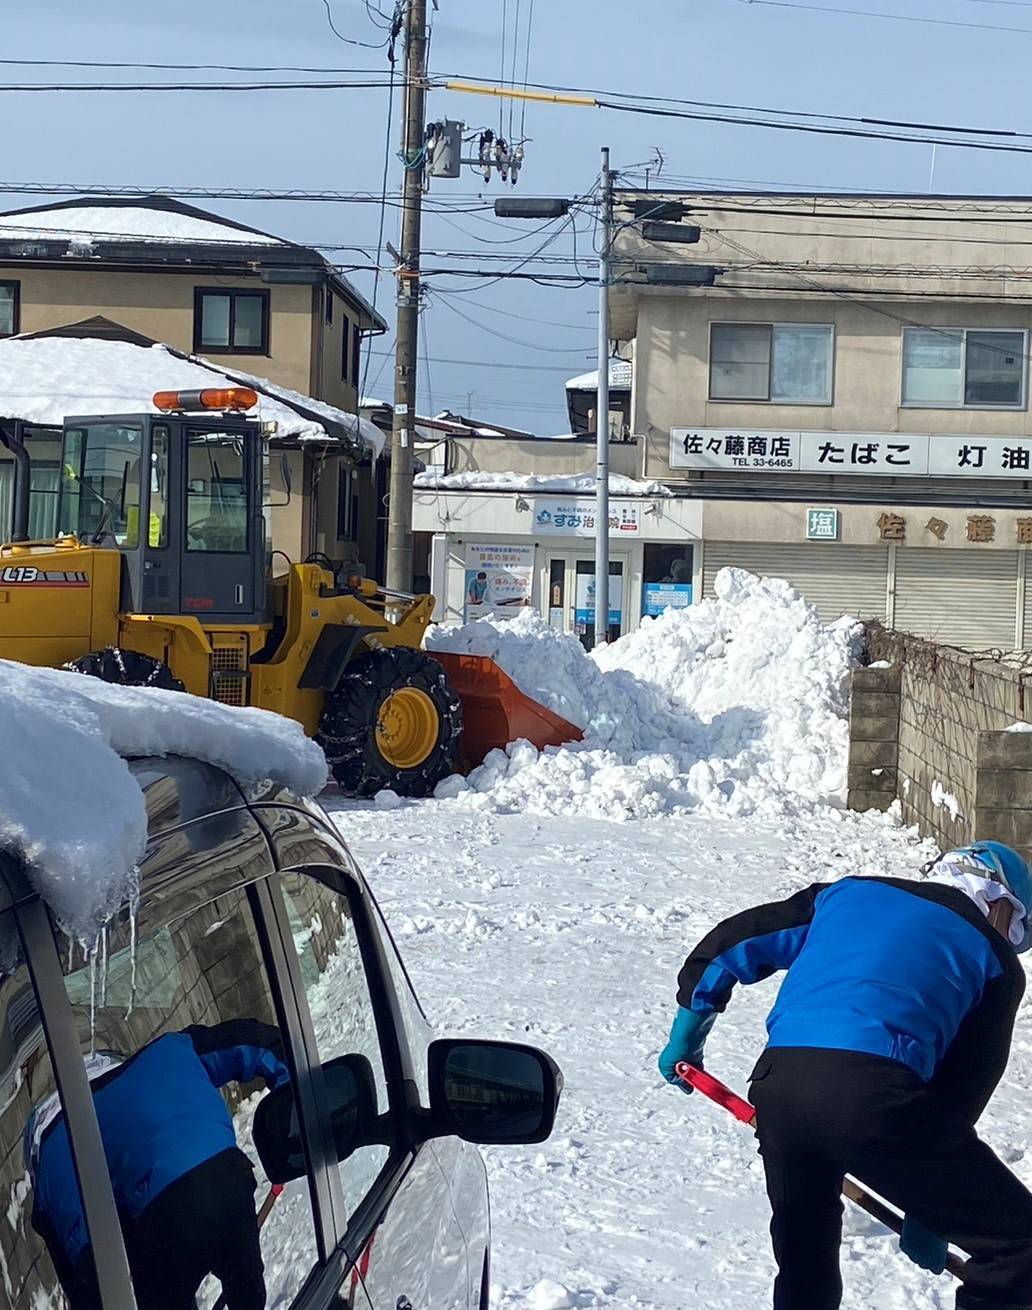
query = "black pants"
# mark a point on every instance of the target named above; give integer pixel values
(823, 1114)
(203, 1223)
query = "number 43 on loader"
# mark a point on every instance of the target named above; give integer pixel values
(162, 576)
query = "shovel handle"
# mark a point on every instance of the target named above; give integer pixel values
(745, 1113)
(272, 1196)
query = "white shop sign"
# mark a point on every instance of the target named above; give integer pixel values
(735, 450)
(576, 518)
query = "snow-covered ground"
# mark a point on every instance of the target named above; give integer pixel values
(568, 932)
(552, 898)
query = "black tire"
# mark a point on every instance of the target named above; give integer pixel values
(348, 729)
(127, 668)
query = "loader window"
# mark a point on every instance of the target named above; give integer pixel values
(100, 492)
(216, 494)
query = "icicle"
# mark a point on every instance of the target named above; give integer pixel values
(134, 906)
(93, 953)
(103, 966)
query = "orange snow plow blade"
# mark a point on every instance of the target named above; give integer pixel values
(496, 712)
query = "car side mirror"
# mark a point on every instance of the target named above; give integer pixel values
(493, 1093)
(351, 1098)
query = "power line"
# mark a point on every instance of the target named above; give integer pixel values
(348, 40)
(896, 18)
(512, 341)
(486, 363)
(105, 87)
(181, 68)
(385, 182)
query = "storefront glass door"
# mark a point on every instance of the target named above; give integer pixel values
(571, 596)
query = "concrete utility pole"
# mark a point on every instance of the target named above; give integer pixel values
(399, 508)
(602, 410)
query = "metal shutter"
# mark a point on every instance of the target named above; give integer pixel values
(964, 598)
(837, 579)
(1027, 562)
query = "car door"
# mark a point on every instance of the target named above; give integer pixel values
(399, 1221)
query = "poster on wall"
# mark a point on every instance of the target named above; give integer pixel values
(584, 602)
(499, 580)
(660, 596)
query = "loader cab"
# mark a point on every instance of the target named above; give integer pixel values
(180, 495)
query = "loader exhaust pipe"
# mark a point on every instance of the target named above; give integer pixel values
(22, 484)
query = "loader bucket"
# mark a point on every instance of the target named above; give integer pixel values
(495, 711)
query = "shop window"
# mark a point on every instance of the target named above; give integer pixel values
(666, 581)
(964, 368)
(779, 363)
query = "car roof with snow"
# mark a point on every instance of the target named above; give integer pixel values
(91, 773)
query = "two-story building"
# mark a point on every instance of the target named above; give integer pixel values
(249, 303)
(838, 385)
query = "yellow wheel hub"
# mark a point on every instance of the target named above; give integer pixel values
(407, 728)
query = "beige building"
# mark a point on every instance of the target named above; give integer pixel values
(839, 386)
(153, 270)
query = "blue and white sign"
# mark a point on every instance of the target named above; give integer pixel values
(660, 596)
(576, 518)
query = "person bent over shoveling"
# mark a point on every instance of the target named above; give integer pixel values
(889, 1034)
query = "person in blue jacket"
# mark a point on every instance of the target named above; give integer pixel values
(184, 1191)
(889, 1034)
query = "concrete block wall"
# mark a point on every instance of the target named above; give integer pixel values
(952, 707)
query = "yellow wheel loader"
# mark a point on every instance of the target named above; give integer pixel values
(161, 576)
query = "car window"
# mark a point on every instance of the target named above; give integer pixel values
(28, 1280)
(339, 998)
(177, 1024)
(418, 1029)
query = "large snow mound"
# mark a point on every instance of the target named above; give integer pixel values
(70, 807)
(737, 705)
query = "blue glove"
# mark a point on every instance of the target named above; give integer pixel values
(687, 1038)
(922, 1246)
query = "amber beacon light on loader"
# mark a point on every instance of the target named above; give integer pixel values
(161, 575)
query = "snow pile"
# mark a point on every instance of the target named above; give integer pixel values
(483, 480)
(72, 810)
(738, 705)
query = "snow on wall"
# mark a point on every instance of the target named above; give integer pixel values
(47, 379)
(137, 223)
(737, 705)
(619, 485)
(70, 807)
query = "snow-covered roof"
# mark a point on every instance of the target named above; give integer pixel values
(72, 811)
(619, 377)
(126, 222)
(578, 483)
(46, 379)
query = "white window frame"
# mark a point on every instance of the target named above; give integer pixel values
(782, 323)
(961, 404)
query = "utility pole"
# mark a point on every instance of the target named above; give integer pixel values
(602, 410)
(399, 507)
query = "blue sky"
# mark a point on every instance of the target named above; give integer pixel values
(735, 51)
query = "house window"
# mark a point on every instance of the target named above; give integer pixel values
(356, 357)
(10, 307)
(347, 503)
(329, 306)
(964, 368)
(781, 363)
(345, 346)
(231, 322)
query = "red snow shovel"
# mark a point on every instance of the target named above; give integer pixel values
(745, 1113)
